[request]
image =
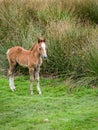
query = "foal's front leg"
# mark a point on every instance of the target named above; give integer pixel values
(37, 80)
(31, 72)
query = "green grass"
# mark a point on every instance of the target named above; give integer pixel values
(65, 110)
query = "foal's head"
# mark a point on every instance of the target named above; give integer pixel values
(42, 47)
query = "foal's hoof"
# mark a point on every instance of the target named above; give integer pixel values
(13, 90)
(31, 93)
(40, 93)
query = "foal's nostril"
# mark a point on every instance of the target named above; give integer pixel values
(45, 57)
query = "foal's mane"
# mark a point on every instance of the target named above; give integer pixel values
(33, 47)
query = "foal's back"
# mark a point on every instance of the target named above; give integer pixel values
(18, 54)
(16, 50)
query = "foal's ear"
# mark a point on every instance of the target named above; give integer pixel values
(44, 40)
(41, 40)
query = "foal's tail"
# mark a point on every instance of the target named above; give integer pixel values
(7, 53)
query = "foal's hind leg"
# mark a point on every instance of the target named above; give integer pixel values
(37, 79)
(11, 78)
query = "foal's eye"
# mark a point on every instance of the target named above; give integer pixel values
(40, 48)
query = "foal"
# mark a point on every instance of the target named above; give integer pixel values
(28, 58)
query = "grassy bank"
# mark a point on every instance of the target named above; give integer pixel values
(62, 108)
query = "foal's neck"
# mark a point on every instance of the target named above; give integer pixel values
(34, 51)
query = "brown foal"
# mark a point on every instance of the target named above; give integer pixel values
(31, 58)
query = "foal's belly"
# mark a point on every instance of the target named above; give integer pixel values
(23, 61)
(22, 64)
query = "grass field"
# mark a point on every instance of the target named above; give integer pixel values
(55, 109)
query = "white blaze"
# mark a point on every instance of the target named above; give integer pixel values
(43, 45)
(44, 48)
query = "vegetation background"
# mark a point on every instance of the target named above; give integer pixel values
(70, 28)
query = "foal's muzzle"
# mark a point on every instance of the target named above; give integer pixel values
(44, 56)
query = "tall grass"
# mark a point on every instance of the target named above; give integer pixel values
(70, 28)
(87, 10)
